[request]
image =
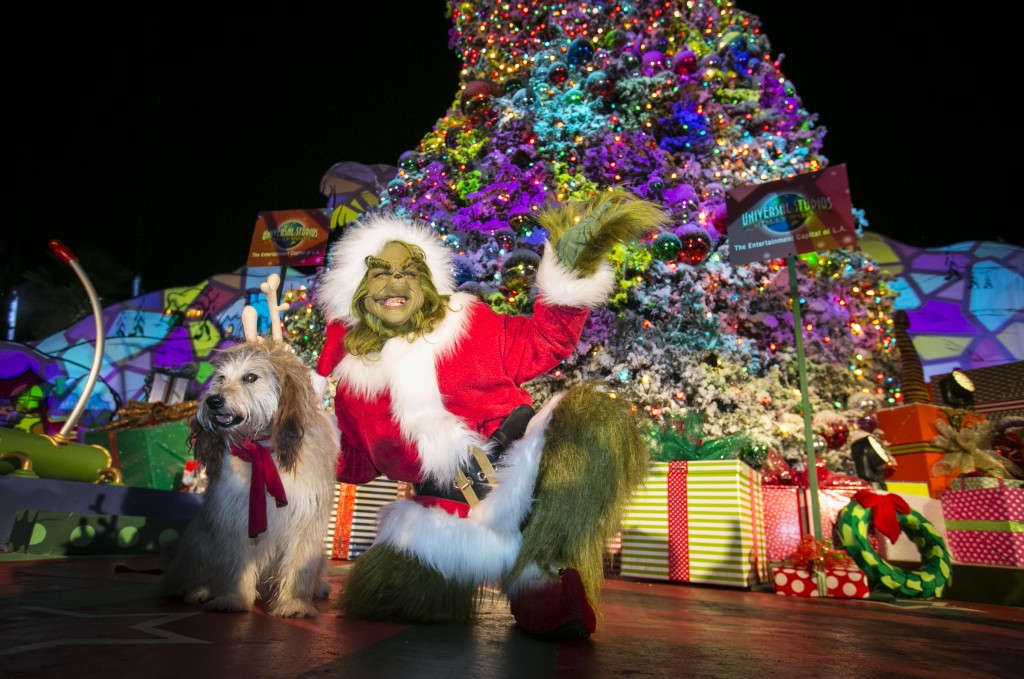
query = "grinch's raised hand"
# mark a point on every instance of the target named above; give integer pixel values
(584, 232)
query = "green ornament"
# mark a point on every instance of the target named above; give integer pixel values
(666, 246)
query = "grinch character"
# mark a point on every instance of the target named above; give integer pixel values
(429, 390)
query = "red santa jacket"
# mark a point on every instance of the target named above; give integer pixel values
(414, 411)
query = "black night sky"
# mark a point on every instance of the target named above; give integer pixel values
(157, 131)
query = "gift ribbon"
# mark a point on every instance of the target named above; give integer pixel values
(678, 525)
(997, 526)
(884, 509)
(265, 479)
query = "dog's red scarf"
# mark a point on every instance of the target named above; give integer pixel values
(265, 479)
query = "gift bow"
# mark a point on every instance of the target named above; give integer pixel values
(884, 509)
(817, 555)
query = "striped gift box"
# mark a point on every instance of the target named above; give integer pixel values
(353, 525)
(699, 522)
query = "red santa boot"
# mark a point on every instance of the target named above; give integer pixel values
(555, 610)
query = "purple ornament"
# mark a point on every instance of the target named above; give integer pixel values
(867, 423)
(653, 62)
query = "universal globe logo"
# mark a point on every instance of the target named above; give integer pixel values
(290, 234)
(786, 212)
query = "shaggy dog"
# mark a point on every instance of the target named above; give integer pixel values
(259, 429)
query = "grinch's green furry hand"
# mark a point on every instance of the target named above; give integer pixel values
(584, 232)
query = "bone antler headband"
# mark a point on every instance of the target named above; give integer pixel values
(269, 288)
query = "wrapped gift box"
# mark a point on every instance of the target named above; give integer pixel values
(985, 526)
(787, 516)
(907, 488)
(905, 549)
(698, 522)
(913, 423)
(841, 583)
(353, 527)
(966, 482)
(148, 457)
(914, 464)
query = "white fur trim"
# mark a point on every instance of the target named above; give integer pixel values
(483, 547)
(348, 267)
(407, 370)
(562, 286)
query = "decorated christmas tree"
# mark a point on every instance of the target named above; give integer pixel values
(679, 102)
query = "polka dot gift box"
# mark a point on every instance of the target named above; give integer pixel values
(985, 526)
(841, 583)
(817, 568)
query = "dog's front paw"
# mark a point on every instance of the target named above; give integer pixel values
(228, 603)
(197, 596)
(292, 608)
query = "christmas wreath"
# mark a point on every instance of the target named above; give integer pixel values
(890, 515)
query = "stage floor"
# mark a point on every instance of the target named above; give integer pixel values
(86, 617)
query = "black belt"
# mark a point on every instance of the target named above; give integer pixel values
(474, 480)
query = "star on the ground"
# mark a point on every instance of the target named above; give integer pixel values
(38, 631)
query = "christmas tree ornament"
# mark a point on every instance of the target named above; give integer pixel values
(524, 98)
(694, 247)
(598, 84)
(653, 62)
(505, 239)
(580, 52)
(558, 73)
(630, 61)
(573, 97)
(666, 246)
(409, 161)
(477, 98)
(396, 188)
(867, 423)
(835, 435)
(863, 402)
(519, 270)
(684, 63)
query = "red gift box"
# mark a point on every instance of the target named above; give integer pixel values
(787, 516)
(841, 583)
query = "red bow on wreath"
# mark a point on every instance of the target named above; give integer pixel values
(884, 509)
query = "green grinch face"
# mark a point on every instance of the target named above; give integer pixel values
(393, 284)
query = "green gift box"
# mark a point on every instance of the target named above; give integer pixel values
(148, 457)
(697, 521)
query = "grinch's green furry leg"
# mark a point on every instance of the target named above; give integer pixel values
(384, 584)
(594, 457)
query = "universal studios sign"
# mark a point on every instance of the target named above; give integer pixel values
(807, 213)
